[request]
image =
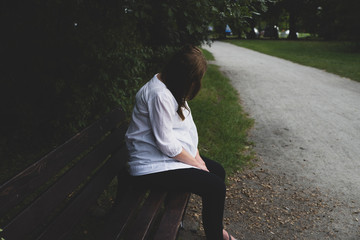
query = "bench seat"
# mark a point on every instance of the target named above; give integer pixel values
(51, 197)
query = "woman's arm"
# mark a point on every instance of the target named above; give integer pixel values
(186, 157)
(199, 159)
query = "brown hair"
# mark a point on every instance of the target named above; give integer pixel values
(182, 75)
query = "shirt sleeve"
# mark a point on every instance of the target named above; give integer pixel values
(161, 113)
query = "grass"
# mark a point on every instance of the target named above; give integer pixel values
(341, 58)
(208, 55)
(221, 122)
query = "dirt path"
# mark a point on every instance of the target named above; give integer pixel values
(307, 138)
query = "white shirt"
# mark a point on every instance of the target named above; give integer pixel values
(156, 133)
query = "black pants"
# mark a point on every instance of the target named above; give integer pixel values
(209, 185)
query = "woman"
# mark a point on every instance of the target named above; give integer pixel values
(162, 139)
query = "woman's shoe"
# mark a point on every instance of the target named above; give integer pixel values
(230, 237)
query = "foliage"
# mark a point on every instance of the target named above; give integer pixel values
(63, 67)
(339, 20)
(1, 237)
(172, 22)
(329, 19)
(238, 14)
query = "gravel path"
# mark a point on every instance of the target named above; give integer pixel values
(306, 183)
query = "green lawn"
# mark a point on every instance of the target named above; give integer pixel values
(208, 55)
(341, 58)
(222, 124)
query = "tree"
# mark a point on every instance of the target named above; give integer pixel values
(292, 11)
(330, 19)
(339, 20)
(239, 14)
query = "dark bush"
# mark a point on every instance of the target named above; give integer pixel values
(66, 63)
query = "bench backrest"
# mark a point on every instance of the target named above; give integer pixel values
(51, 195)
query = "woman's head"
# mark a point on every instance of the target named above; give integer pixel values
(182, 75)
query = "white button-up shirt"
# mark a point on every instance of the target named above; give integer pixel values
(156, 133)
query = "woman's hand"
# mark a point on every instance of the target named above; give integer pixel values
(203, 166)
(201, 161)
(186, 157)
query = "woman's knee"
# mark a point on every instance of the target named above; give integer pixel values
(215, 167)
(221, 172)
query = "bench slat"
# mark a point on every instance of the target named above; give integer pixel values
(139, 229)
(62, 226)
(120, 215)
(16, 189)
(38, 212)
(176, 204)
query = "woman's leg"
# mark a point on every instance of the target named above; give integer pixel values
(218, 169)
(208, 185)
(214, 167)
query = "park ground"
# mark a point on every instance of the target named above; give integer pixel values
(304, 183)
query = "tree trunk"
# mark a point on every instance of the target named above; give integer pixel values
(292, 26)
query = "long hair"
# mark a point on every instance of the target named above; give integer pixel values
(182, 75)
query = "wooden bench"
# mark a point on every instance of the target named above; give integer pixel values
(52, 196)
